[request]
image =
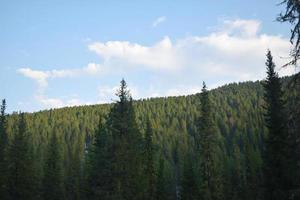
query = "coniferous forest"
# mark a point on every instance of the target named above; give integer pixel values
(238, 141)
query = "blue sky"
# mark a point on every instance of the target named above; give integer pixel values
(64, 53)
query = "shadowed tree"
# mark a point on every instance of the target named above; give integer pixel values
(99, 170)
(207, 144)
(53, 174)
(280, 162)
(150, 175)
(126, 161)
(3, 148)
(21, 177)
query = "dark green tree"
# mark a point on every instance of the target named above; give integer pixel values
(99, 184)
(150, 176)
(3, 148)
(126, 147)
(53, 171)
(161, 193)
(21, 178)
(190, 189)
(279, 173)
(291, 14)
(207, 144)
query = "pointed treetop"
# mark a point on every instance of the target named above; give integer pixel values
(123, 92)
(270, 64)
(3, 107)
(204, 88)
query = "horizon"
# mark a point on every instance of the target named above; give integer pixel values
(63, 54)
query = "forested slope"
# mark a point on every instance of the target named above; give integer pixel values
(238, 113)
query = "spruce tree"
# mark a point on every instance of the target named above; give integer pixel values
(161, 192)
(278, 173)
(3, 148)
(21, 177)
(190, 189)
(53, 171)
(126, 147)
(99, 178)
(206, 140)
(150, 175)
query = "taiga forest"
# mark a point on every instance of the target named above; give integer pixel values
(235, 141)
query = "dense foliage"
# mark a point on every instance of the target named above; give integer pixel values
(157, 148)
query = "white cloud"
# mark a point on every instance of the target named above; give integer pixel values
(236, 51)
(41, 77)
(158, 21)
(48, 102)
(183, 90)
(158, 56)
(233, 52)
(247, 28)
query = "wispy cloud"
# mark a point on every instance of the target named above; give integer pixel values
(41, 77)
(158, 21)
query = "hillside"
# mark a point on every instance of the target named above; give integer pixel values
(237, 111)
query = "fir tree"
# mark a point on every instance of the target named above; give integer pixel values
(189, 183)
(126, 147)
(53, 174)
(21, 177)
(99, 169)
(3, 148)
(161, 183)
(207, 144)
(278, 173)
(150, 175)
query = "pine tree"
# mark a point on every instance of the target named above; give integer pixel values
(99, 169)
(3, 148)
(189, 183)
(21, 179)
(53, 174)
(150, 175)
(206, 140)
(278, 176)
(161, 182)
(126, 147)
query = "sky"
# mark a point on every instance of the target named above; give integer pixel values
(64, 53)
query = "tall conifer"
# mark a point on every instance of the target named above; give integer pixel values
(278, 173)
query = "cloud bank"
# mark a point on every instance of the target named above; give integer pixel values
(235, 51)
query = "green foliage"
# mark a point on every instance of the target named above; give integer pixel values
(280, 155)
(149, 171)
(53, 171)
(21, 178)
(3, 149)
(126, 147)
(236, 112)
(207, 141)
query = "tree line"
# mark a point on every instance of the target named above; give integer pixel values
(239, 141)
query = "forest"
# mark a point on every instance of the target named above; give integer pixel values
(238, 141)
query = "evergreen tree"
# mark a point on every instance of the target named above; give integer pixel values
(3, 148)
(99, 169)
(150, 175)
(278, 169)
(53, 174)
(126, 147)
(208, 146)
(161, 183)
(189, 183)
(21, 178)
